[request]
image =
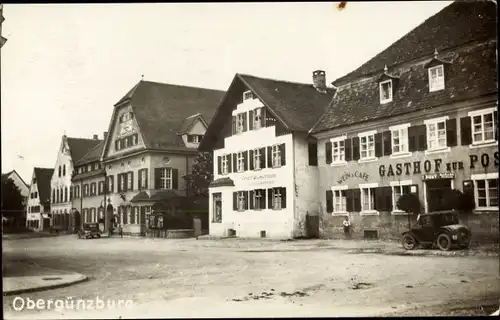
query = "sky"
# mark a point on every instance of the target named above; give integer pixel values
(64, 66)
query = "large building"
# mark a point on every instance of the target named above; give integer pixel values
(420, 117)
(71, 150)
(265, 167)
(38, 204)
(153, 137)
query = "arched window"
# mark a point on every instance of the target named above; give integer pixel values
(57, 195)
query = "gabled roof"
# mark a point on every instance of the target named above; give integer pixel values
(190, 121)
(43, 177)
(297, 105)
(79, 147)
(459, 23)
(160, 110)
(5, 175)
(92, 155)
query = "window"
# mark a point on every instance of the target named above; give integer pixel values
(135, 139)
(483, 127)
(339, 201)
(276, 156)
(241, 200)
(59, 170)
(119, 144)
(64, 170)
(193, 138)
(89, 167)
(486, 192)
(125, 142)
(240, 123)
(122, 182)
(259, 198)
(241, 162)
(256, 159)
(385, 91)
(129, 181)
(65, 194)
(247, 95)
(338, 151)
(277, 198)
(143, 178)
(399, 188)
(367, 199)
(436, 134)
(165, 178)
(86, 190)
(367, 146)
(257, 118)
(92, 189)
(101, 187)
(436, 78)
(399, 138)
(225, 163)
(217, 203)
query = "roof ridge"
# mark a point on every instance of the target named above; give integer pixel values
(91, 139)
(277, 80)
(181, 85)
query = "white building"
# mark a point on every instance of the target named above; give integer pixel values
(265, 167)
(70, 151)
(38, 204)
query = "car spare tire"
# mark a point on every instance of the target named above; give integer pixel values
(409, 242)
(444, 242)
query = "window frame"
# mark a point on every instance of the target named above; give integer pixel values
(340, 189)
(164, 179)
(217, 198)
(436, 122)
(401, 128)
(371, 194)
(240, 122)
(256, 159)
(399, 184)
(240, 160)
(225, 158)
(381, 84)
(277, 195)
(275, 151)
(240, 197)
(340, 154)
(257, 118)
(440, 80)
(482, 113)
(484, 177)
(366, 135)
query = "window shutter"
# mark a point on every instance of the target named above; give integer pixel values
(116, 145)
(349, 200)
(269, 157)
(175, 178)
(245, 160)
(140, 174)
(422, 137)
(348, 149)
(312, 153)
(132, 179)
(251, 159)
(157, 178)
(145, 172)
(251, 198)
(412, 138)
(468, 190)
(245, 122)
(233, 125)
(465, 130)
(235, 201)
(119, 183)
(112, 189)
(378, 144)
(245, 194)
(270, 198)
(229, 163)
(495, 121)
(387, 143)
(451, 132)
(219, 165)
(355, 148)
(283, 154)
(329, 201)
(262, 158)
(263, 199)
(328, 152)
(125, 177)
(250, 120)
(283, 198)
(235, 162)
(388, 198)
(356, 200)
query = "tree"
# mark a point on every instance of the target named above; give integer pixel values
(409, 203)
(198, 180)
(12, 199)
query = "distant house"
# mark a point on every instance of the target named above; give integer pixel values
(38, 204)
(18, 181)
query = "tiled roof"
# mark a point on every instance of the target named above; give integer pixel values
(222, 182)
(189, 122)
(43, 177)
(459, 23)
(160, 110)
(141, 196)
(472, 73)
(92, 155)
(89, 174)
(165, 195)
(5, 175)
(80, 147)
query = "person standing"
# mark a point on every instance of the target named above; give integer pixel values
(347, 227)
(120, 230)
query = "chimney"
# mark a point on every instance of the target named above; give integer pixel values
(96, 137)
(104, 135)
(319, 80)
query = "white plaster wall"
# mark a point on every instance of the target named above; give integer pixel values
(34, 202)
(249, 223)
(197, 128)
(20, 184)
(63, 158)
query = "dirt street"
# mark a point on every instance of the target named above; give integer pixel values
(190, 278)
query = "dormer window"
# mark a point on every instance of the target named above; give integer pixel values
(436, 78)
(385, 91)
(194, 138)
(247, 95)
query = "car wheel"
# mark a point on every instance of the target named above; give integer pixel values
(444, 242)
(409, 242)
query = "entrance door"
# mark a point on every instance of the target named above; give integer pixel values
(435, 191)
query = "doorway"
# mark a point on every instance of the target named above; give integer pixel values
(436, 188)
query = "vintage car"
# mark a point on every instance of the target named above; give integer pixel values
(89, 230)
(440, 228)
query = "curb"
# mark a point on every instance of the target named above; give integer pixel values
(80, 279)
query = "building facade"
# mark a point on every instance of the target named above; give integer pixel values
(38, 204)
(70, 151)
(153, 137)
(265, 167)
(422, 122)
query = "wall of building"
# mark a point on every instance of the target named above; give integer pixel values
(464, 161)
(249, 223)
(32, 202)
(198, 128)
(89, 202)
(64, 181)
(19, 183)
